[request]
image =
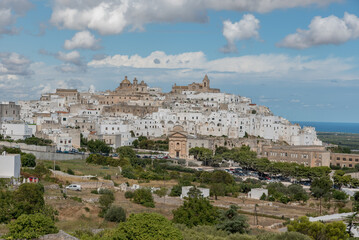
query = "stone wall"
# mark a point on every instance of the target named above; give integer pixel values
(55, 156)
(24, 146)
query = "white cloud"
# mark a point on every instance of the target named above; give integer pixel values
(321, 31)
(84, 40)
(10, 10)
(71, 57)
(14, 64)
(114, 16)
(73, 62)
(246, 28)
(261, 66)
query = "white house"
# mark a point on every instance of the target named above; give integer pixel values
(16, 131)
(185, 190)
(257, 193)
(10, 165)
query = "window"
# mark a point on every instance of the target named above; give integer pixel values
(338, 158)
(350, 159)
(344, 159)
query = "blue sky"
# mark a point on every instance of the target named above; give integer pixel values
(298, 57)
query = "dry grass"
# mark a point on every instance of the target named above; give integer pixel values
(3, 229)
(80, 167)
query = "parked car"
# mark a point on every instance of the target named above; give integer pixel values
(74, 187)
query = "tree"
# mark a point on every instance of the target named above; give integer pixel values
(339, 195)
(28, 160)
(126, 152)
(297, 193)
(29, 199)
(105, 202)
(161, 192)
(98, 146)
(319, 230)
(6, 206)
(320, 187)
(31, 226)
(218, 189)
(232, 222)
(196, 211)
(149, 226)
(176, 191)
(115, 214)
(340, 179)
(144, 197)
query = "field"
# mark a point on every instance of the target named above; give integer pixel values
(350, 140)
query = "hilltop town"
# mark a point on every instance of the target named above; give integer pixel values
(83, 161)
(206, 116)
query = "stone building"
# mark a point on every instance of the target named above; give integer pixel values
(178, 143)
(120, 108)
(197, 87)
(344, 159)
(310, 156)
(9, 111)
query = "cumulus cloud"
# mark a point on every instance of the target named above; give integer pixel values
(264, 65)
(10, 10)
(321, 31)
(246, 28)
(84, 40)
(114, 16)
(14, 64)
(73, 62)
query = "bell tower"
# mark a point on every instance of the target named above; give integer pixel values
(205, 82)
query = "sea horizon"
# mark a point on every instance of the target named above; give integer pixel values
(338, 127)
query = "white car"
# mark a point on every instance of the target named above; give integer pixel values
(74, 187)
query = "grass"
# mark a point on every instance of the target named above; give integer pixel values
(80, 167)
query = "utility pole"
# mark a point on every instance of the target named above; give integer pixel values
(255, 215)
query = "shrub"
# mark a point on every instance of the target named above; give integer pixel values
(57, 168)
(150, 226)
(70, 171)
(31, 226)
(129, 194)
(28, 160)
(115, 214)
(176, 191)
(144, 197)
(94, 191)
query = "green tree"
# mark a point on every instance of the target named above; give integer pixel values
(196, 211)
(115, 214)
(28, 160)
(126, 152)
(161, 192)
(28, 199)
(232, 222)
(218, 189)
(339, 195)
(31, 226)
(340, 179)
(319, 230)
(98, 146)
(149, 226)
(6, 206)
(176, 191)
(144, 197)
(320, 187)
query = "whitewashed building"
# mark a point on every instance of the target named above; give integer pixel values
(10, 165)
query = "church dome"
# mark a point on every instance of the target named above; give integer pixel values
(126, 81)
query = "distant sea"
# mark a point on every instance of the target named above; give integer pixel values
(331, 126)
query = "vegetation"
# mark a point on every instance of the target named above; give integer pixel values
(144, 197)
(232, 222)
(344, 140)
(283, 194)
(27, 159)
(319, 230)
(248, 160)
(105, 201)
(115, 214)
(98, 146)
(150, 226)
(30, 141)
(195, 211)
(31, 226)
(143, 143)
